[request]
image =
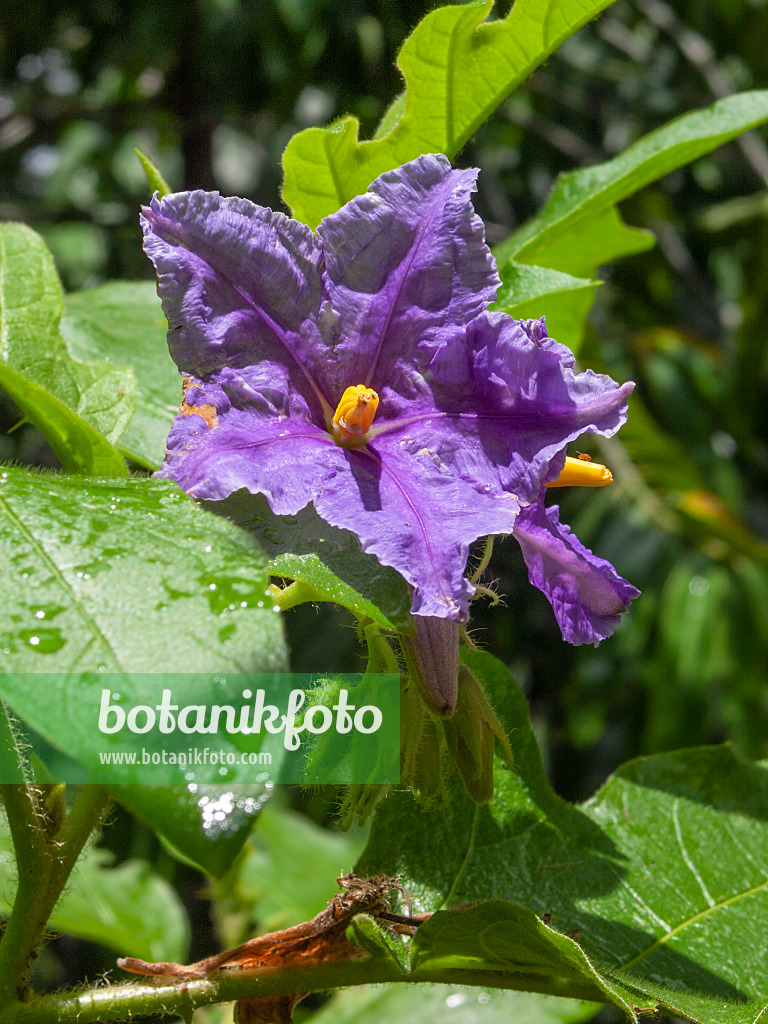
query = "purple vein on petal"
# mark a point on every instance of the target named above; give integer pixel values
(267, 319)
(156, 219)
(410, 503)
(402, 275)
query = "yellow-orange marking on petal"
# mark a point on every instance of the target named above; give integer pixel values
(354, 413)
(580, 473)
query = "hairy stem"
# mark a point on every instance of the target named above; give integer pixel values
(117, 1003)
(46, 852)
(484, 561)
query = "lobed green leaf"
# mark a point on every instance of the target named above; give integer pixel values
(457, 70)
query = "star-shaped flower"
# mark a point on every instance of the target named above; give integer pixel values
(359, 368)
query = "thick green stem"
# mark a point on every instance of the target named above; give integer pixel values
(34, 861)
(117, 1003)
(45, 855)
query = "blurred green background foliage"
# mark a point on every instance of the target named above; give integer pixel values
(212, 90)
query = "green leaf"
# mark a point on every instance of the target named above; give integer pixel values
(497, 936)
(80, 408)
(409, 1004)
(457, 71)
(132, 576)
(329, 560)
(184, 818)
(129, 908)
(568, 222)
(533, 292)
(580, 229)
(127, 575)
(660, 878)
(123, 322)
(155, 180)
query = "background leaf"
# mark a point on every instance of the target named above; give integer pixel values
(87, 405)
(125, 907)
(580, 229)
(123, 322)
(458, 1004)
(271, 880)
(581, 195)
(457, 71)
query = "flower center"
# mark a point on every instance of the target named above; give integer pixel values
(582, 473)
(354, 414)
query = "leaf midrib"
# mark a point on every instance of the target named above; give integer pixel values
(694, 919)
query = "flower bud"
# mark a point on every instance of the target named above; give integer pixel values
(471, 734)
(432, 658)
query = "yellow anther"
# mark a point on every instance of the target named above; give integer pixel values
(580, 473)
(354, 413)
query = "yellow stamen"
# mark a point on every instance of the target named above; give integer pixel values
(580, 473)
(354, 413)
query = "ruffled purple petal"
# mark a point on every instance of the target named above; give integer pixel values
(215, 448)
(238, 284)
(416, 517)
(585, 591)
(403, 262)
(504, 403)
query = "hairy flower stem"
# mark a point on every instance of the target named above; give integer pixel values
(484, 561)
(46, 850)
(118, 1003)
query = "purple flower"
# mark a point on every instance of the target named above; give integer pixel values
(359, 368)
